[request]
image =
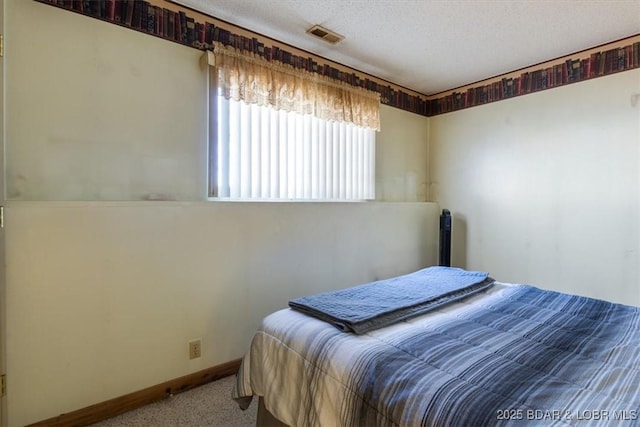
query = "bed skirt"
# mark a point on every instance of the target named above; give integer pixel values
(265, 418)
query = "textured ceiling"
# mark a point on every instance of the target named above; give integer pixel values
(431, 46)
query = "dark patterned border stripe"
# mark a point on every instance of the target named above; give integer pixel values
(180, 27)
(597, 64)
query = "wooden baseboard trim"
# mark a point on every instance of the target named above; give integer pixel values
(119, 405)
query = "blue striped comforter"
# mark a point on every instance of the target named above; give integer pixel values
(509, 355)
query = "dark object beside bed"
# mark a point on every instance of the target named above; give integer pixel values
(446, 227)
(508, 354)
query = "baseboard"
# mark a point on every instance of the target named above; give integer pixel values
(119, 405)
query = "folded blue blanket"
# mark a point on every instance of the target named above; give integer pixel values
(363, 308)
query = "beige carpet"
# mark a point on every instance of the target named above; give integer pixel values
(208, 405)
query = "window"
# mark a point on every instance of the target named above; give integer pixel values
(263, 153)
(291, 146)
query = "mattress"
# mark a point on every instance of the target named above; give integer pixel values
(509, 355)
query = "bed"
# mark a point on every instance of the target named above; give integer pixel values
(504, 354)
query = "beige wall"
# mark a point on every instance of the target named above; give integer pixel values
(104, 290)
(402, 157)
(544, 188)
(99, 112)
(102, 297)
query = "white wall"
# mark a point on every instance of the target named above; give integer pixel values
(544, 188)
(104, 289)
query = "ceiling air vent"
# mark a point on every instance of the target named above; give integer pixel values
(324, 34)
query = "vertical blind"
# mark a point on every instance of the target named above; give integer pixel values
(264, 153)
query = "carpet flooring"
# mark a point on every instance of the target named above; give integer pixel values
(209, 405)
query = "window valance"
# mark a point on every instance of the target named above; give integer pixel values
(244, 76)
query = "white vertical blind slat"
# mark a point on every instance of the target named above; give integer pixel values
(264, 182)
(222, 135)
(274, 131)
(322, 160)
(284, 156)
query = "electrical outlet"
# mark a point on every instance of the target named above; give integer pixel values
(195, 349)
